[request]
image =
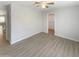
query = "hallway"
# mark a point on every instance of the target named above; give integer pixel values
(3, 40)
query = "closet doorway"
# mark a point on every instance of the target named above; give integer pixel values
(51, 23)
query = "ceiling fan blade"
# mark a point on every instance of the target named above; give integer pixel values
(40, 4)
(46, 6)
(50, 3)
(37, 5)
(37, 2)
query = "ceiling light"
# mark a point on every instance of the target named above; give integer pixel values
(43, 4)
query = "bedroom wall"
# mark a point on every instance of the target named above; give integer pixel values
(67, 19)
(25, 22)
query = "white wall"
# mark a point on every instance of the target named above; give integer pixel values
(25, 22)
(45, 23)
(66, 22)
(8, 23)
(3, 10)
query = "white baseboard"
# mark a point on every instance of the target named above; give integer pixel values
(67, 37)
(23, 38)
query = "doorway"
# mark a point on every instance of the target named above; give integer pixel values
(2, 30)
(50, 20)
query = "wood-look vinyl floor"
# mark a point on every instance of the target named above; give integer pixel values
(41, 45)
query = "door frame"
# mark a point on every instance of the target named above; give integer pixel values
(47, 21)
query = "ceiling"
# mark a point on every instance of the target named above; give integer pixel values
(66, 3)
(30, 3)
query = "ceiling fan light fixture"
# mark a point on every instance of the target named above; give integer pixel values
(44, 4)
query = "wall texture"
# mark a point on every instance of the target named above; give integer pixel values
(25, 22)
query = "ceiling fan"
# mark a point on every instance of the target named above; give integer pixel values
(43, 4)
